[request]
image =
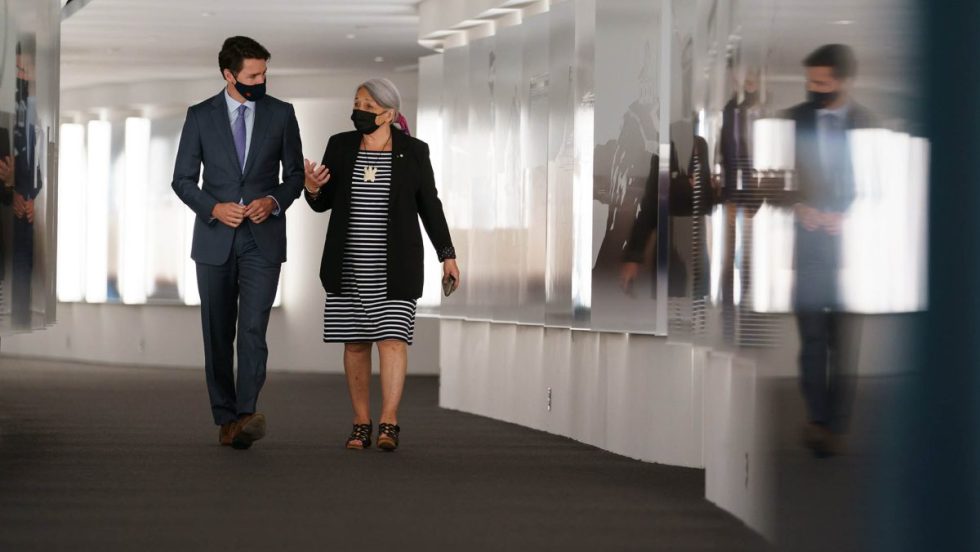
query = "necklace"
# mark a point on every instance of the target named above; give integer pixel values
(371, 171)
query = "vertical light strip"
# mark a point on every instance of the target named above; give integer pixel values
(663, 196)
(584, 140)
(188, 280)
(97, 211)
(133, 242)
(71, 214)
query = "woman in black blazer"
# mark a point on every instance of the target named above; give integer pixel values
(377, 181)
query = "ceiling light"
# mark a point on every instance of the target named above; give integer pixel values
(351, 36)
(379, 59)
(207, 14)
(844, 22)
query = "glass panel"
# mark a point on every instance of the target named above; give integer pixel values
(29, 93)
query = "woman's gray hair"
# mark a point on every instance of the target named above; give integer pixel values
(385, 93)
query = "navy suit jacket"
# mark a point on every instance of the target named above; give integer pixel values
(207, 140)
(817, 254)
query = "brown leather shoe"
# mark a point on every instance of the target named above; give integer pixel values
(821, 441)
(226, 432)
(248, 430)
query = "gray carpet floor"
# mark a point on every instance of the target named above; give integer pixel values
(99, 458)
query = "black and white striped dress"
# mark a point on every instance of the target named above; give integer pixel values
(362, 312)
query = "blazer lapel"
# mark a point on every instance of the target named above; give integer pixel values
(259, 127)
(223, 124)
(399, 152)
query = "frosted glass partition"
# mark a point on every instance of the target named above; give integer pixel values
(629, 165)
(626, 164)
(30, 48)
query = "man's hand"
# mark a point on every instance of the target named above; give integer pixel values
(7, 171)
(20, 206)
(260, 209)
(833, 223)
(29, 210)
(230, 214)
(810, 218)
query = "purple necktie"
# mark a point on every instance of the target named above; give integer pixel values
(239, 132)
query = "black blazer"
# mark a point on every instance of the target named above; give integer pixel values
(413, 195)
(6, 195)
(207, 140)
(681, 201)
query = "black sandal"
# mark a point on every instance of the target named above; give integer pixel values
(388, 436)
(360, 436)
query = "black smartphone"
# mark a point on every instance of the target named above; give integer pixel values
(448, 285)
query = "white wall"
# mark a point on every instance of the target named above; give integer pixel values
(638, 396)
(171, 335)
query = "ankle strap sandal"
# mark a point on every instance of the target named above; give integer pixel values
(360, 436)
(388, 436)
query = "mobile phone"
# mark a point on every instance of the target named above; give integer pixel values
(448, 285)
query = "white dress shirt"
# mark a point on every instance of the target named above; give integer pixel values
(249, 115)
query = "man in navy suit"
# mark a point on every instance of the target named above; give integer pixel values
(241, 137)
(829, 338)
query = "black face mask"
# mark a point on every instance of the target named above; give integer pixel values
(364, 121)
(251, 92)
(21, 91)
(822, 99)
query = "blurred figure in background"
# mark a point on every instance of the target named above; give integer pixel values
(26, 185)
(736, 131)
(829, 338)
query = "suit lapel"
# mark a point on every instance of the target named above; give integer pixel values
(399, 145)
(223, 124)
(259, 133)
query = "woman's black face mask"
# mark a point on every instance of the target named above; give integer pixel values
(364, 121)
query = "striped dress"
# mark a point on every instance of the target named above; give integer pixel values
(362, 312)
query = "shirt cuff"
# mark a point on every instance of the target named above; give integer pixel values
(448, 252)
(277, 210)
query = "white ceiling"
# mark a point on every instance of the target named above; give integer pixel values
(112, 41)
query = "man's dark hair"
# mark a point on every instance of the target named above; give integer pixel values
(236, 50)
(839, 57)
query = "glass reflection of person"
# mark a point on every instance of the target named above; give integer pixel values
(22, 182)
(6, 197)
(683, 188)
(829, 338)
(736, 147)
(630, 167)
(735, 152)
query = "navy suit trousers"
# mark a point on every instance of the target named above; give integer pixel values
(236, 295)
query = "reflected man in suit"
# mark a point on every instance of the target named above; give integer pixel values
(829, 338)
(241, 137)
(22, 182)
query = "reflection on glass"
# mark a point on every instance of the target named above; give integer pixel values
(626, 165)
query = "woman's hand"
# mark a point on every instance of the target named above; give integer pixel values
(449, 268)
(627, 275)
(316, 176)
(7, 171)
